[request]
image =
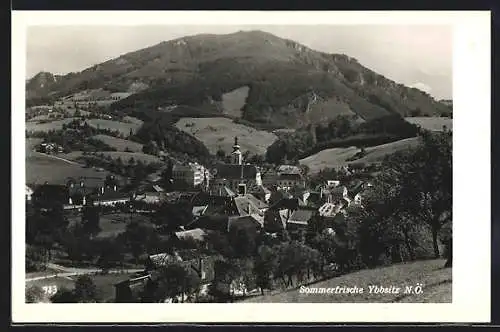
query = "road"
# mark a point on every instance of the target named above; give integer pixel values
(72, 271)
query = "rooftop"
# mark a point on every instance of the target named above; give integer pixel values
(235, 171)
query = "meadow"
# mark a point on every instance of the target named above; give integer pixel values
(432, 123)
(123, 127)
(337, 157)
(35, 126)
(219, 132)
(119, 143)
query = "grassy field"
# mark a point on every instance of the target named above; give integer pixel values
(125, 156)
(233, 101)
(119, 144)
(432, 123)
(123, 127)
(112, 224)
(41, 167)
(131, 119)
(34, 126)
(336, 157)
(435, 280)
(218, 133)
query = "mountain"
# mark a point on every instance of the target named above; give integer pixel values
(288, 84)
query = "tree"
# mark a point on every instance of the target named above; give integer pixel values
(426, 182)
(90, 220)
(34, 294)
(64, 295)
(265, 265)
(110, 252)
(139, 237)
(36, 257)
(151, 148)
(170, 216)
(243, 241)
(175, 280)
(85, 290)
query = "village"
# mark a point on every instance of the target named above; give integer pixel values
(229, 199)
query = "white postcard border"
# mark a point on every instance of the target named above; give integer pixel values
(471, 167)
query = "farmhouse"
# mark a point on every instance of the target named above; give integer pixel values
(111, 197)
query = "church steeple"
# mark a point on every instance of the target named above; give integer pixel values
(236, 155)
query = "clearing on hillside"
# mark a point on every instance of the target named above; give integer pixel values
(436, 282)
(337, 157)
(41, 168)
(119, 143)
(432, 123)
(218, 133)
(123, 127)
(233, 102)
(33, 126)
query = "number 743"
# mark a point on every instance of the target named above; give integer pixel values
(50, 290)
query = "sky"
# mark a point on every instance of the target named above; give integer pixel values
(415, 55)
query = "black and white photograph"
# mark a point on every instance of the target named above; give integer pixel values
(249, 163)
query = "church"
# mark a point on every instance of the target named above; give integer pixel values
(237, 176)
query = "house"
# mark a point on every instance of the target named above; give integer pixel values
(332, 183)
(336, 195)
(288, 181)
(222, 191)
(193, 174)
(246, 223)
(202, 265)
(50, 148)
(28, 193)
(301, 218)
(261, 193)
(111, 197)
(196, 234)
(288, 169)
(129, 290)
(198, 211)
(358, 191)
(50, 194)
(270, 178)
(149, 196)
(330, 209)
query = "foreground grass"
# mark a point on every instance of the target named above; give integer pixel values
(435, 280)
(103, 282)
